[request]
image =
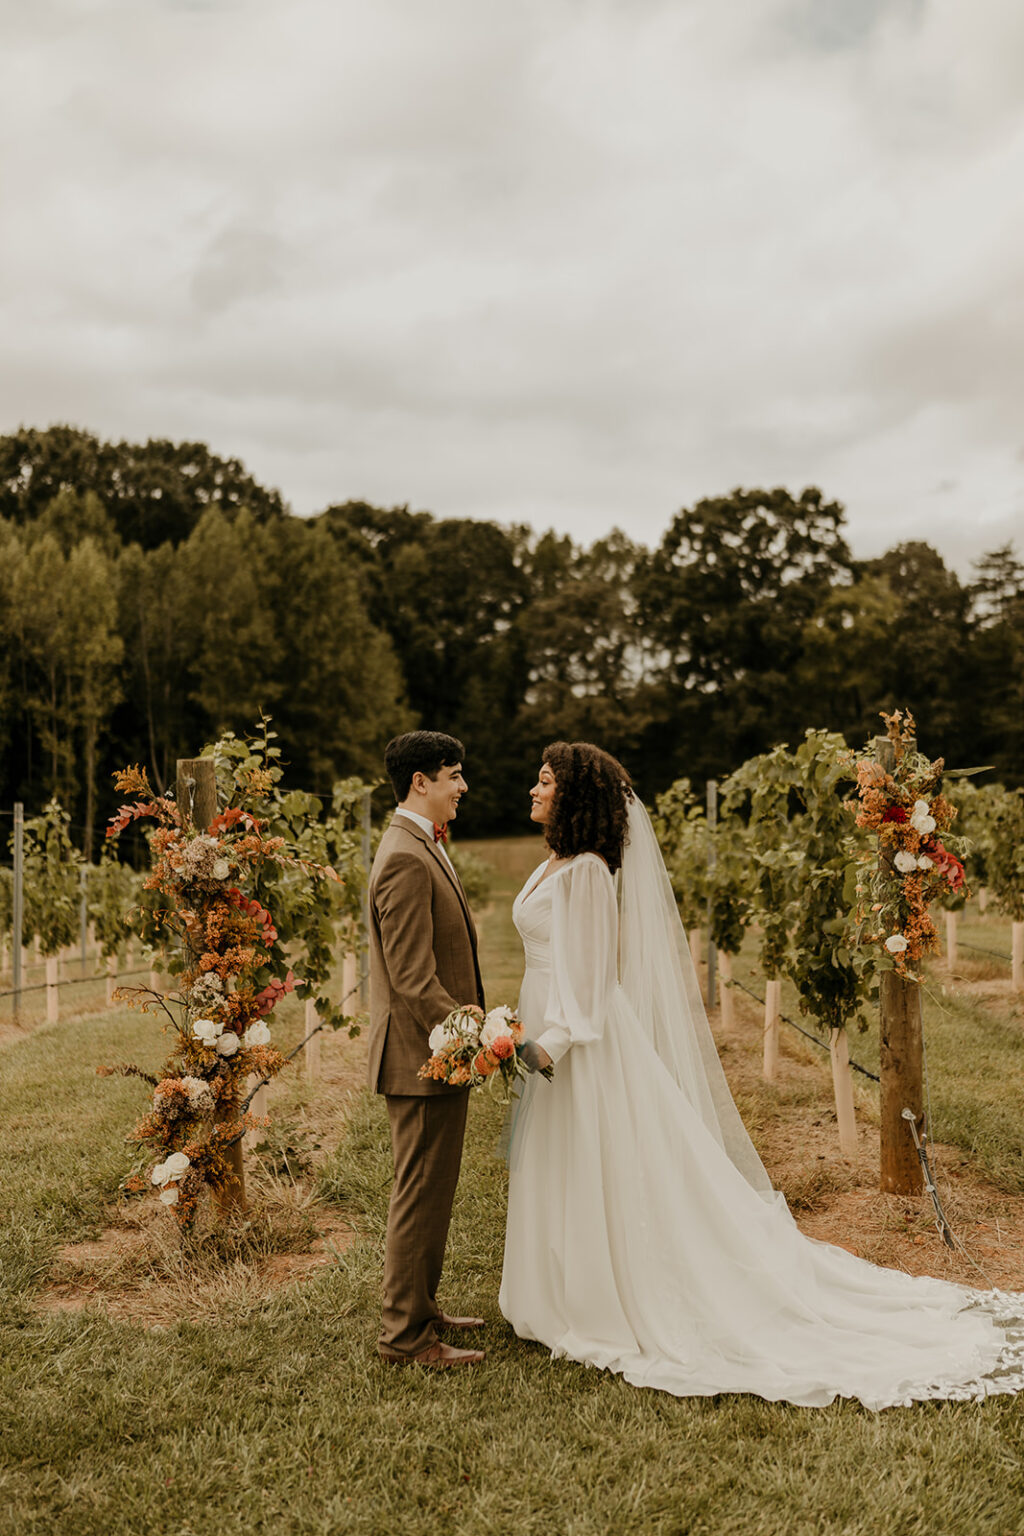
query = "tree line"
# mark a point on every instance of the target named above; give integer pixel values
(152, 597)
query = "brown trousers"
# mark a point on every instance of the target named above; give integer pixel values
(426, 1143)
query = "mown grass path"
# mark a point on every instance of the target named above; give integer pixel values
(270, 1412)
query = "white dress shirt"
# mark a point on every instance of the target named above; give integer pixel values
(428, 827)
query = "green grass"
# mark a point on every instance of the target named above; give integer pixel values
(273, 1414)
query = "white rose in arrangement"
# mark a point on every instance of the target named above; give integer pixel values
(896, 944)
(438, 1039)
(169, 1195)
(221, 869)
(256, 1034)
(924, 862)
(196, 1088)
(921, 819)
(905, 862)
(206, 1031)
(173, 1168)
(228, 1043)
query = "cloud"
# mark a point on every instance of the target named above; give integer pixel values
(570, 263)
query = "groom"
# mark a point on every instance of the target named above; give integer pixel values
(423, 964)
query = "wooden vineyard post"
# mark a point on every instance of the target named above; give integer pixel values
(196, 795)
(842, 1085)
(725, 966)
(313, 1044)
(772, 1005)
(258, 1106)
(902, 1087)
(349, 981)
(1017, 957)
(982, 899)
(901, 1056)
(696, 946)
(951, 944)
(52, 988)
(111, 978)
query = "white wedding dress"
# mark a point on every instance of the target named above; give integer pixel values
(643, 1234)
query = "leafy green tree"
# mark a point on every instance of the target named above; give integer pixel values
(72, 517)
(993, 698)
(158, 721)
(154, 492)
(94, 655)
(448, 595)
(581, 637)
(922, 665)
(340, 694)
(725, 599)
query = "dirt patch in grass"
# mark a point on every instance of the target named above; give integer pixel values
(144, 1273)
(141, 1269)
(836, 1199)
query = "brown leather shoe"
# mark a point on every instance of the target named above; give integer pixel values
(440, 1357)
(444, 1321)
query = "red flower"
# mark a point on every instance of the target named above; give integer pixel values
(231, 817)
(947, 864)
(266, 1001)
(895, 813)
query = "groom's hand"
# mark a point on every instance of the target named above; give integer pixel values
(534, 1057)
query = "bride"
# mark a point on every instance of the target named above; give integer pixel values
(643, 1233)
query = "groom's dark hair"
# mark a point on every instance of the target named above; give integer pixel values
(419, 752)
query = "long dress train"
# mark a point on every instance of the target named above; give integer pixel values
(642, 1239)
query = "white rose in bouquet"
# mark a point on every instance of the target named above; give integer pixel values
(924, 862)
(905, 862)
(221, 869)
(496, 1024)
(169, 1195)
(206, 1031)
(439, 1038)
(896, 944)
(228, 1043)
(256, 1034)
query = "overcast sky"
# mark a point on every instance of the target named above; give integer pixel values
(575, 263)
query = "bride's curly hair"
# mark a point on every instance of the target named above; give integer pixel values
(591, 800)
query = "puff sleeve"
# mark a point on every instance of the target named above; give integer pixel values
(584, 955)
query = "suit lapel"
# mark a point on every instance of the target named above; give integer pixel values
(439, 858)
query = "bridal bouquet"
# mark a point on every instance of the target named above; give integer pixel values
(469, 1046)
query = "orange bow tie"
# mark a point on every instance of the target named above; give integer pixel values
(440, 833)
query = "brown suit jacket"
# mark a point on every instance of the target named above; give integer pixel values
(423, 959)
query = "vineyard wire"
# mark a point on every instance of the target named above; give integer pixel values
(806, 1033)
(76, 981)
(979, 949)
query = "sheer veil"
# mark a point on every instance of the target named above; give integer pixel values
(658, 978)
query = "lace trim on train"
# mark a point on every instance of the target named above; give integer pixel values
(1003, 1377)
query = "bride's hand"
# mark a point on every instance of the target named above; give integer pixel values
(534, 1056)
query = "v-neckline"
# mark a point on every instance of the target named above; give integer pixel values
(538, 883)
